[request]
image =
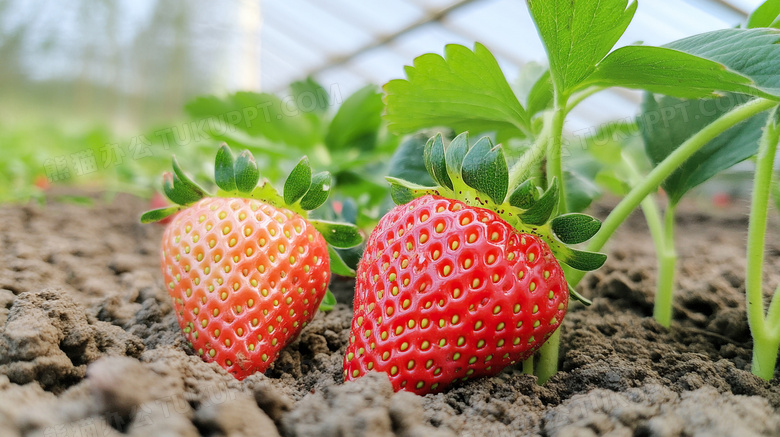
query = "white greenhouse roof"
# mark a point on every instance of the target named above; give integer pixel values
(349, 43)
(174, 49)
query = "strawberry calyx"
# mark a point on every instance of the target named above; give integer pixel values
(478, 175)
(239, 177)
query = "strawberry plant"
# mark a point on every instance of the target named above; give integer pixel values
(245, 268)
(463, 278)
(733, 70)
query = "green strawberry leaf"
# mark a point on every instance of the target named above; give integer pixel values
(298, 182)
(186, 179)
(728, 60)
(177, 191)
(575, 228)
(776, 190)
(156, 215)
(246, 173)
(666, 71)
(465, 90)
(754, 53)
(403, 191)
(337, 264)
(666, 122)
(578, 34)
(765, 15)
(224, 174)
(525, 195)
(484, 168)
(454, 154)
(357, 121)
(328, 302)
(539, 213)
(435, 162)
(339, 235)
(318, 192)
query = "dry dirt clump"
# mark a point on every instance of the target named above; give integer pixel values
(89, 345)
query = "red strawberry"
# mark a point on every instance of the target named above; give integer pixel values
(245, 278)
(246, 275)
(449, 290)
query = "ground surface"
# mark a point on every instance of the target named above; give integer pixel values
(89, 346)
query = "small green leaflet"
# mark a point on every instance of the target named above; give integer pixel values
(484, 168)
(453, 158)
(575, 228)
(539, 213)
(177, 191)
(159, 214)
(577, 34)
(298, 182)
(525, 195)
(318, 191)
(435, 163)
(464, 90)
(403, 192)
(666, 122)
(246, 172)
(224, 174)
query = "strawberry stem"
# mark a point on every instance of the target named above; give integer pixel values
(523, 169)
(667, 263)
(554, 165)
(547, 366)
(766, 340)
(528, 365)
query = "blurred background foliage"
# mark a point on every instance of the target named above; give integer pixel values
(99, 93)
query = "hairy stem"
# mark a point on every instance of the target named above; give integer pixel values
(524, 167)
(667, 263)
(765, 342)
(554, 164)
(666, 168)
(548, 357)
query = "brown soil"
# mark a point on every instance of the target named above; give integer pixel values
(89, 346)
